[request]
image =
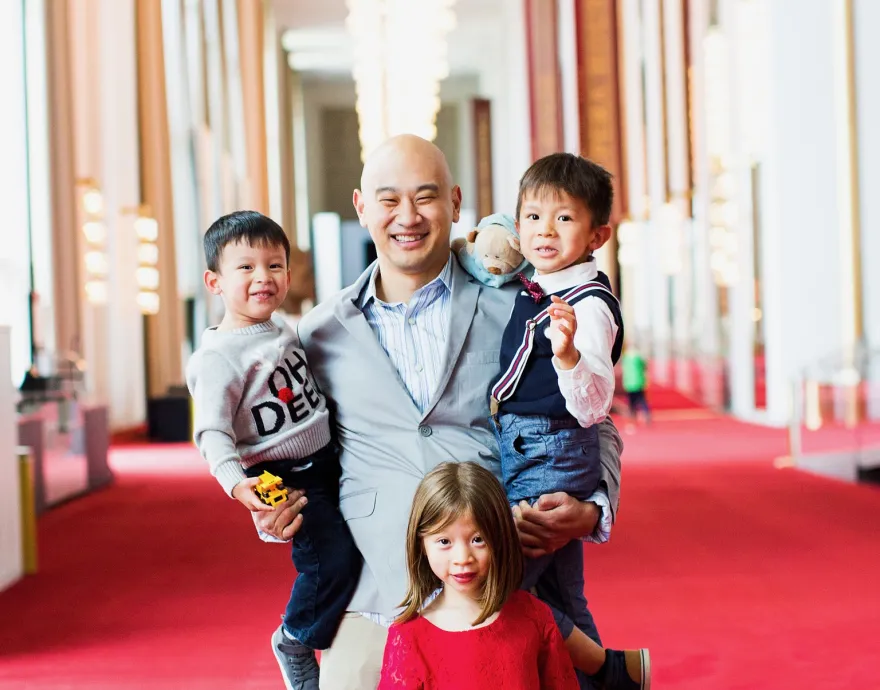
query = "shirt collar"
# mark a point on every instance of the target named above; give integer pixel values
(442, 281)
(576, 274)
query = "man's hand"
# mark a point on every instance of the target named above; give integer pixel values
(244, 494)
(563, 325)
(552, 522)
(284, 520)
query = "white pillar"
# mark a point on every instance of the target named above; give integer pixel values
(867, 54)
(14, 279)
(124, 365)
(107, 150)
(187, 223)
(216, 110)
(705, 305)
(274, 67)
(740, 25)
(566, 28)
(11, 557)
(85, 46)
(39, 182)
(327, 253)
(741, 296)
(508, 88)
(656, 158)
(799, 197)
(14, 250)
(679, 178)
(636, 286)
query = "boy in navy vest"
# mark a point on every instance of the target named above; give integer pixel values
(557, 357)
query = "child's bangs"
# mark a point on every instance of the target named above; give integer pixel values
(442, 516)
(539, 191)
(260, 239)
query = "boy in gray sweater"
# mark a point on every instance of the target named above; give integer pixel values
(257, 409)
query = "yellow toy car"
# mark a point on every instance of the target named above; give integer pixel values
(270, 489)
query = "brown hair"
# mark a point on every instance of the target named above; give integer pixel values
(250, 227)
(449, 491)
(578, 177)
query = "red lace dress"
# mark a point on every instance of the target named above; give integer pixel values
(520, 650)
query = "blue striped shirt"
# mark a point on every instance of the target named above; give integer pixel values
(414, 335)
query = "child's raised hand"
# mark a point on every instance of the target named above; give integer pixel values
(563, 325)
(244, 494)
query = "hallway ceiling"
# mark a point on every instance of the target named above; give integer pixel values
(315, 35)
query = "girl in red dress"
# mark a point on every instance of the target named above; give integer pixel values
(478, 630)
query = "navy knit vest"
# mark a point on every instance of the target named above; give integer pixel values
(538, 390)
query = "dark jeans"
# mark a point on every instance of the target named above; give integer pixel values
(637, 401)
(562, 589)
(324, 555)
(540, 455)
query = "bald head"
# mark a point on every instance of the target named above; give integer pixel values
(405, 151)
(408, 203)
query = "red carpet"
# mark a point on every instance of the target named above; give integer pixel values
(742, 577)
(157, 582)
(737, 575)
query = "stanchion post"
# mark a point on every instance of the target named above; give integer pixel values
(28, 510)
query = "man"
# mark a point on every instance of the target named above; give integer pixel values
(405, 357)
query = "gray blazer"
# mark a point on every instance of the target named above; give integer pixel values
(387, 444)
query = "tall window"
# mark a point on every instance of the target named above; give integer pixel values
(15, 257)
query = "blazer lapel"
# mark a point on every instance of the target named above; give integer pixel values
(465, 293)
(349, 314)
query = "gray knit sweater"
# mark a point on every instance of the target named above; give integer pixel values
(255, 400)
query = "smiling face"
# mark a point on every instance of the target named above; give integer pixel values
(252, 280)
(459, 556)
(408, 203)
(556, 231)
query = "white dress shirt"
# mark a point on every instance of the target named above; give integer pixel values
(588, 388)
(413, 335)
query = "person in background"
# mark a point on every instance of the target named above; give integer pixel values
(635, 382)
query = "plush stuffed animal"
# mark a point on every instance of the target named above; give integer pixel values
(491, 252)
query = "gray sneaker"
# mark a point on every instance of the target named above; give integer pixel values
(298, 665)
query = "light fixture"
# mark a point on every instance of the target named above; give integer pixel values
(96, 291)
(627, 243)
(148, 254)
(147, 278)
(93, 201)
(96, 263)
(398, 70)
(148, 302)
(95, 232)
(146, 227)
(147, 275)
